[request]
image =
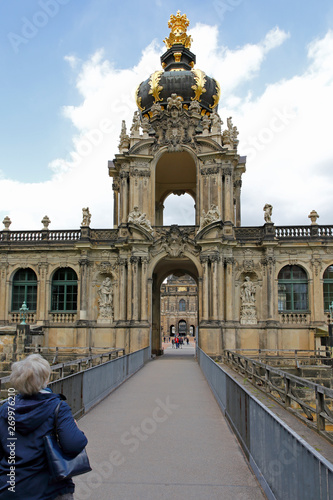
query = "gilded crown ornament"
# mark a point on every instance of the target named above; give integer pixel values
(178, 25)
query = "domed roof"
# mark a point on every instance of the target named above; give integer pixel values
(178, 75)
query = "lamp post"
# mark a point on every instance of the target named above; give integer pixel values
(23, 313)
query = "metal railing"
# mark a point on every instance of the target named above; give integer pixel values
(87, 387)
(309, 401)
(286, 466)
(59, 368)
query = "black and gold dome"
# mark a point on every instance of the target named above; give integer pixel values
(178, 75)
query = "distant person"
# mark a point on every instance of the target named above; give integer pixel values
(173, 343)
(23, 423)
(177, 342)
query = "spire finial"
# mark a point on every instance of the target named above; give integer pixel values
(178, 25)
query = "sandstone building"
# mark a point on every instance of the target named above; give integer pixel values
(179, 308)
(258, 287)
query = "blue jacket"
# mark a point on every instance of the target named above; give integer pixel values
(24, 458)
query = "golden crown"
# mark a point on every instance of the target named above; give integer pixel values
(178, 25)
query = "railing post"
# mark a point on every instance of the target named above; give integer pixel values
(287, 400)
(320, 408)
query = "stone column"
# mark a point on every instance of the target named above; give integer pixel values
(238, 185)
(221, 285)
(229, 289)
(228, 195)
(84, 266)
(124, 197)
(135, 287)
(4, 291)
(144, 305)
(129, 289)
(215, 293)
(269, 262)
(42, 293)
(205, 288)
(317, 303)
(115, 187)
(122, 289)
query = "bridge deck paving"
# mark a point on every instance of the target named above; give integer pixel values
(162, 435)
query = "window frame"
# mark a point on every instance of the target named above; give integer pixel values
(29, 287)
(182, 305)
(287, 302)
(64, 292)
(326, 283)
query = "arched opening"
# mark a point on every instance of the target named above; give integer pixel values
(182, 328)
(175, 300)
(175, 174)
(179, 210)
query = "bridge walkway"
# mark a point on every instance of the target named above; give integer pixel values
(162, 435)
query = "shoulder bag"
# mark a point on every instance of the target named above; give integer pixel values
(62, 466)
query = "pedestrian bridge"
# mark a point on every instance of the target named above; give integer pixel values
(186, 428)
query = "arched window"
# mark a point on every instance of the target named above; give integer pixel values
(182, 305)
(293, 289)
(328, 288)
(64, 290)
(24, 289)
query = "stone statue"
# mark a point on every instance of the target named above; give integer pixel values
(105, 299)
(230, 135)
(268, 209)
(248, 291)
(248, 315)
(86, 217)
(216, 122)
(136, 217)
(135, 128)
(212, 215)
(124, 142)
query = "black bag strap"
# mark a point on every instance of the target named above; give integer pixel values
(56, 411)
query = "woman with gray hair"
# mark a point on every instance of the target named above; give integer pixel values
(24, 420)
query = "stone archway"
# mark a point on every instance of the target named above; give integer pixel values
(175, 173)
(165, 267)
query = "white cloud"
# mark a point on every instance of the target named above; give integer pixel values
(290, 121)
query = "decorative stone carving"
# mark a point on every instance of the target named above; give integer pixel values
(229, 136)
(316, 262)
(313, 216)
(86, 217)
(135, 128)
(248, 313)
(105, 300)
(175, 126)
(216, 123)
(174, 102)
(205, 121)
(46, 222)
(268, 209)
(156, 109)
(174, 244)
(124, 139)
(139, 219)
(211, 216)
(6, 222)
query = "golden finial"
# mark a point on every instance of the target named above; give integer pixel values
(178, 25)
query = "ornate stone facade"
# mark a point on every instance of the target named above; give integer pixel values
(93, 287)
(179, 307)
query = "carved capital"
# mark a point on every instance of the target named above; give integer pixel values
(227, 171)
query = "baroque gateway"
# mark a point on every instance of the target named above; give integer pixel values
(258, 287)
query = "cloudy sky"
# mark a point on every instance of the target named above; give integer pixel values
(69, 69)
